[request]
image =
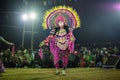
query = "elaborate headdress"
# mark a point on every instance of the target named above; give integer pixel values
(64, 13)
(59, 18)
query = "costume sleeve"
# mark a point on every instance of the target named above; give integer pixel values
(71, 42)
(47, 40)
(41, 53)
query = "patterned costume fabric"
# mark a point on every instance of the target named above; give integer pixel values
(61, 41)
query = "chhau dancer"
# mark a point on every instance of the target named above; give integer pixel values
(61, 20)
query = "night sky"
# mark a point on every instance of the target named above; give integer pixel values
(100, 20)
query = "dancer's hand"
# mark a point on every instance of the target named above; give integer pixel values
(42, 44)
(72, 38)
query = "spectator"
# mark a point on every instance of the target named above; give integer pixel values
(98, 59)
(2, 68)
(71, 60)
(116, 50)
(89, 58)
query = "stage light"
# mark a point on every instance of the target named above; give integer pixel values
(24, 17)
(32, 15)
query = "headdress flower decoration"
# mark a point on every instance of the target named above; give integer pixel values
(64, 13)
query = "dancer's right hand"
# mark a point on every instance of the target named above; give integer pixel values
(42, 44)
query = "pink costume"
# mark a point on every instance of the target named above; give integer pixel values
(61, 48)
(61, 44)
(61, 41)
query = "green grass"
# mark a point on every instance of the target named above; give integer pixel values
(72, 74)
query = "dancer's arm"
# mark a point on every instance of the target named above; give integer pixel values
(46, 41)
(71, 42)
(71, 37)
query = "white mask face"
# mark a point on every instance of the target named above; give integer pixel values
(61, 24)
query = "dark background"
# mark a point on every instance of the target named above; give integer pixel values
(100, 20)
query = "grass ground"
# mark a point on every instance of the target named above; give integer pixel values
(72, 74)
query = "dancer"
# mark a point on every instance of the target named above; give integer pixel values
(61, 21)
(2, 68)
